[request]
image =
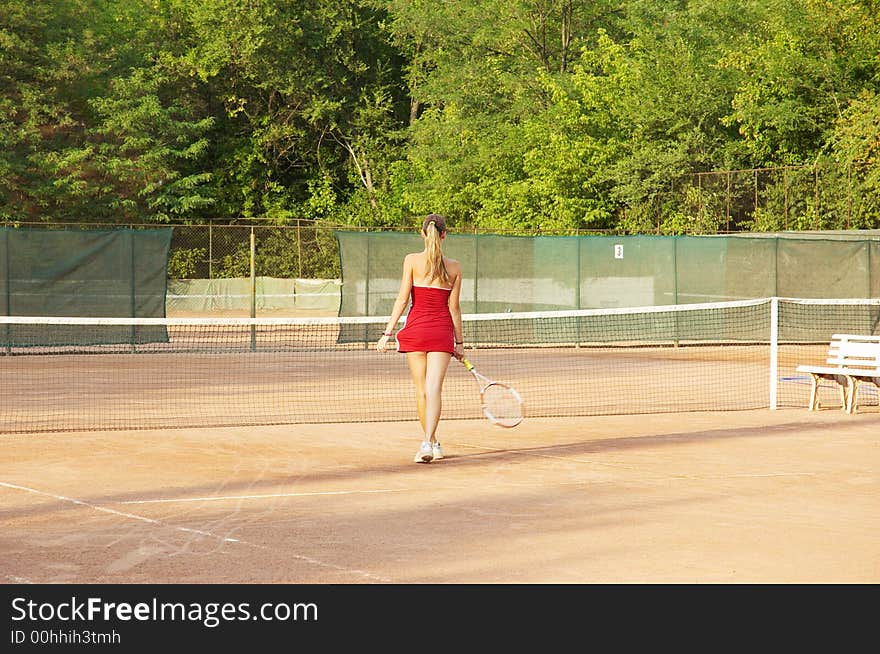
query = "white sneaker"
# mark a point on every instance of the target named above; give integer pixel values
(437, 451)
(425, 454)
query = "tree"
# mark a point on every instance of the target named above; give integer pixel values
(91, 121)
(526, 115)
(485, 94)
(309, 93)
(800, 71)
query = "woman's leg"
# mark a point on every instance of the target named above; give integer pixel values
(428, 370)
(418, 364)
(435, 373)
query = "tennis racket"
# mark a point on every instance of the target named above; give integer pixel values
(501, 404)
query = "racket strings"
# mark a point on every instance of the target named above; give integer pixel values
(502, 405)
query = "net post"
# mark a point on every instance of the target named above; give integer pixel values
(774, 350)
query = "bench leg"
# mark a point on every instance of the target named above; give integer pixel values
(814, 392)
(852, 391)
(843, 383)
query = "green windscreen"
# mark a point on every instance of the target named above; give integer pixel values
(504, 274)
(84, 273)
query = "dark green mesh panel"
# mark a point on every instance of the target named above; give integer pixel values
(823, 269)
(550, 273)
(84, 273)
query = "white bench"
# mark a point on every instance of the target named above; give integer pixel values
(852, 359)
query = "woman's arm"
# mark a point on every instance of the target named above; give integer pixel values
(400, 303)
(455, 309)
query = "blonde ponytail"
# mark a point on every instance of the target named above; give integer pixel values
(436, 266)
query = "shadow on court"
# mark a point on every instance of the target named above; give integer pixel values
(754, 496)
(503, 452)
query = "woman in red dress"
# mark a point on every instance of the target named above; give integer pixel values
(431, 285)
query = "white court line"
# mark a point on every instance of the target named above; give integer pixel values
(94, 506)
(221, 498)
(224, 539)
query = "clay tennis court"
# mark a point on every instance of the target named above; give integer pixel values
(754, 496)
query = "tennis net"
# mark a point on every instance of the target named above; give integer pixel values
(69, 374)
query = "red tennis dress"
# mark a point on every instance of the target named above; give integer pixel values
(428, 324)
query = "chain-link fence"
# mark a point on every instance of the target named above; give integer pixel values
(816, 197)
(258, 269)
(216, 251)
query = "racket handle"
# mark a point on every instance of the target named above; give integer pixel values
(467, 364)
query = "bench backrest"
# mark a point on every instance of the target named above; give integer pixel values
(855, 351)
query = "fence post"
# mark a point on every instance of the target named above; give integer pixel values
(253, 291)
(578, 254)
(728, 201)
(476, 329)
(367, 277)
(577, 290)
(8, 289)
(785, 197)
(699, 200)
(849, 195)
(756, 193)
(675, 240)
(133, 280)
(476, 271)
(299, 250)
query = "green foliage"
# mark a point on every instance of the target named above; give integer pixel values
(138, 159)
(808, 61)
(515, 115)
(183, 263)
(311, 87)
(855, 144)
